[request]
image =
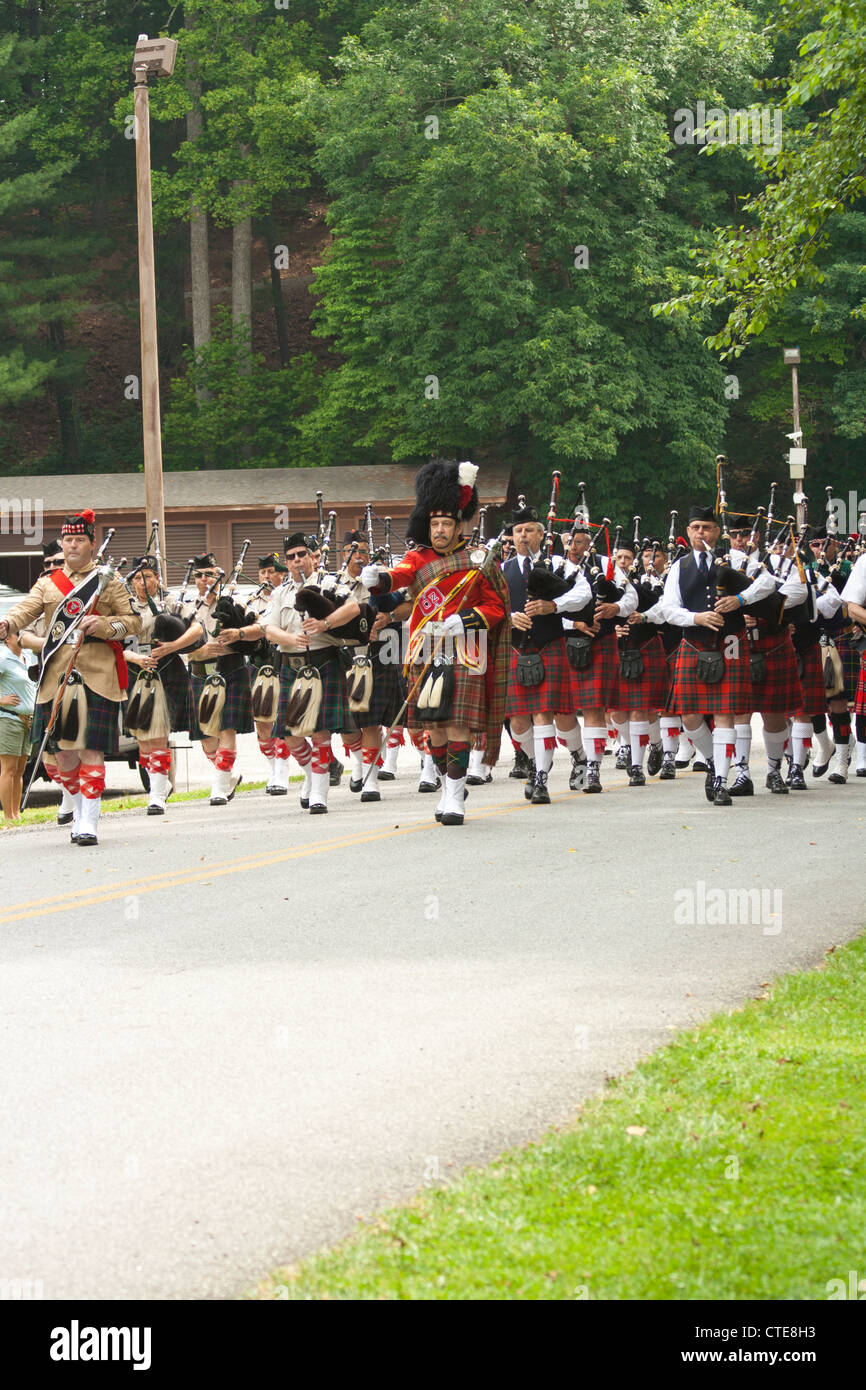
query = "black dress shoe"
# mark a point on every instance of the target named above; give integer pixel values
(529, 786)
(355, 784)
(520, 769)
(540, 794)
(776, 783)
(818, 769)
(387, 776)
(335, 772)
(623, 759)
(700, 766)
(429, 786)
(744, 786)
(669, 768)
(593, 779)
(710, 781)
(66, 819)
(85, 839)
(797, 781)
(577, 776)
(636, 777)
(305, 803)
(318, 809)
(721, 795)
(654, 759)
(371, 796)
(156, 810)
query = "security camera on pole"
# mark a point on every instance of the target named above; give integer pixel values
(797, 455)
(151, 56)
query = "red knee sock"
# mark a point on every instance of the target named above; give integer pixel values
(321, 757)
(224, 760)
(92, 779)
(159, 761)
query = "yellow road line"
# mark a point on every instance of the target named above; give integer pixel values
(109, 892)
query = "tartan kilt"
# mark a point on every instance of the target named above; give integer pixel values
(335, 717)
(812, 682)
(781, 692)
(731, 695)
(468, 707)
(238, 708)
(650, 690)
(850, 667)
(598, 687)
(555, 694)
(389, 692)
(860, 699)
(103, 725)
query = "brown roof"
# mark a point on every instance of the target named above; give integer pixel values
(237, 488)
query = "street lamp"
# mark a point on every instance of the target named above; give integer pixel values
(797, 454)
(151, 56)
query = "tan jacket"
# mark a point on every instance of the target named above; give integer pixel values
(95, 661)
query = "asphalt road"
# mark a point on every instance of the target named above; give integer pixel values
(227, 1032)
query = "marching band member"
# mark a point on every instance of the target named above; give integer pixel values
(87, 730)
(542, 710)
(461, 688)
(712, 666)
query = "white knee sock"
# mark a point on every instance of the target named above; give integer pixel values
(801, 739)
(544, 743)
(702, 739)
(724, 745)
(743, 733)
(670, 734)
(639, 736)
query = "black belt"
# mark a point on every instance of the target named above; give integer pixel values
(293, 661)
(225, 665)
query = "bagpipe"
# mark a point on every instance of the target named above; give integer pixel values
(147, 716)
(731, 581)
(323, 594)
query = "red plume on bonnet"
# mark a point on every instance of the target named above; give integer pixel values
(88, 515)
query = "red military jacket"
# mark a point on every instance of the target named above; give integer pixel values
(477, 603)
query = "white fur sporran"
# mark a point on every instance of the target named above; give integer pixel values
(147, 714)
(305, 702)
(359, 683)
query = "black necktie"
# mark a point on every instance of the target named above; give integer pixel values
(704, 562)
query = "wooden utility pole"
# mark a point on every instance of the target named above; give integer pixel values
(150, 56)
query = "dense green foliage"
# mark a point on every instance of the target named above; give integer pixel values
(509, 209)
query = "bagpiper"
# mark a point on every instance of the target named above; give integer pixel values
(712, 664)
(459, 629)
(88, 722)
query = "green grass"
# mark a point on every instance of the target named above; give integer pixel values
(40, 815)
(746, 1180)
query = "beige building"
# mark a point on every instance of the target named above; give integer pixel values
(214, 510)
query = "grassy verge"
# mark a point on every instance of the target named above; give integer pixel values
(40, 815)
(728, 1165)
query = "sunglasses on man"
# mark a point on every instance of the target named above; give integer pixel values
(205, 574)
(296, 554)
(55, 564)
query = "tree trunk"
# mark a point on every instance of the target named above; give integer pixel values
(199, 250)
(242, 281)
(277, 295)
(64, 399)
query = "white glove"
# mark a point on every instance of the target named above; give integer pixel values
(370, 576)
(453, 626)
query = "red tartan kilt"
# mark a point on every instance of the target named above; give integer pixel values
(554, 695)
(650, 690)
(468, 707)
(781, 692)
(860, 699)
(812, 682)
(597, 688)
(731, 695)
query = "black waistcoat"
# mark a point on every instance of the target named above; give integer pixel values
(545, 629)
(699, 594)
